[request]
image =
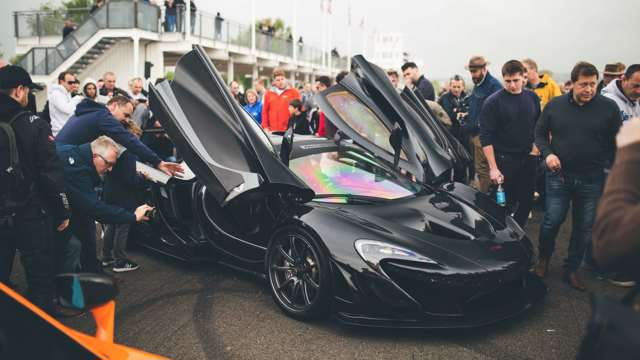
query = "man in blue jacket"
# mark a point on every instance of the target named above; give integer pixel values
(83, 166)
(485, 85)
(92, 120)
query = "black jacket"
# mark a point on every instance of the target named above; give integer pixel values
(38, 160)
(82, 179)
(426, 88)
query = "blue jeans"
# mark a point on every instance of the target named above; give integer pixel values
(170, 23)
(582, 193)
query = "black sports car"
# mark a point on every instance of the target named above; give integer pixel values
(367, 226)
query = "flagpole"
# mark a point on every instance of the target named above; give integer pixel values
(324, 40)
(349, 54)
(330, 42)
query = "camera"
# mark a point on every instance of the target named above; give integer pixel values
(461, 109)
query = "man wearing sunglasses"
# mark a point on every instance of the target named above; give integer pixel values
(62, 102)
(626, 92)
(83, 168)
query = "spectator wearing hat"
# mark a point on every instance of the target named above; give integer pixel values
(610, 73)
(626, 92)
(28, 205)
(484, 85)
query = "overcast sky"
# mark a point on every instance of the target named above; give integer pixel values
(445, 33)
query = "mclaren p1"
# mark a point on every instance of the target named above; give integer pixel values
(368, 225)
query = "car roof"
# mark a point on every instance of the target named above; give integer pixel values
(304, 145)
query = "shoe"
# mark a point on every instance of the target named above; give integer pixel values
(107, 262)
(572, 280)
(619, 279)
(124, 266)
(541, 268)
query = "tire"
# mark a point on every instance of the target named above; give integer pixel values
(299, 277)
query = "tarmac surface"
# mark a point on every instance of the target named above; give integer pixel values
(207, 311)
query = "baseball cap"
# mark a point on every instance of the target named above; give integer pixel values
(12, 76)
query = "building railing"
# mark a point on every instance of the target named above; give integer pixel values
(113, 15)
(127, 14)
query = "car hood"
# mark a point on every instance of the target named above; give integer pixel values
(384, 110)
(225, 148)
(438, 224)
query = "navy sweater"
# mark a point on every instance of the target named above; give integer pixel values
(508, 121)
(582, 136)
(92, 120)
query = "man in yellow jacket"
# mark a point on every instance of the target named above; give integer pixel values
(543, 85)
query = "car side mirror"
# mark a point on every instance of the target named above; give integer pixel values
(84, 291)
(286, 146)
(395, 139)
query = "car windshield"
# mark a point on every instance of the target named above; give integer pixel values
(351, 173)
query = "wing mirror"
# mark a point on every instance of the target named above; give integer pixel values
(84, 291)
(395, 139)
(287, 145)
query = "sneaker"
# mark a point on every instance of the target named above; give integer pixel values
(124, 266)
(107, 262)
(621, 280)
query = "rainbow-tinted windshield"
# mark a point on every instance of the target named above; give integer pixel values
(350, 173)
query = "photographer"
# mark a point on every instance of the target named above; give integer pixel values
(83, 167)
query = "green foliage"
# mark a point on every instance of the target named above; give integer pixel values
(279, 27)
(169, 75)
(51, 18)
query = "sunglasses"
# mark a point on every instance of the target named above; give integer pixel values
(107, 162)
(73, 82)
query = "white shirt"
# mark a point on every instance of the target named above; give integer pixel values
(61, 106)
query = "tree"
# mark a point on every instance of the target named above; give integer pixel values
(51, 19)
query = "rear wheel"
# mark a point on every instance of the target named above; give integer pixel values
(298, 273)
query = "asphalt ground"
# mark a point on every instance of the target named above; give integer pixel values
(207, 311)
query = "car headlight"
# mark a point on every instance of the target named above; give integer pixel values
(373, 252)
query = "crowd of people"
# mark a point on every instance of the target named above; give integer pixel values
(69, 167)
(527, 135)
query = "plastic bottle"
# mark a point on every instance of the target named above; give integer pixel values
(501, 197)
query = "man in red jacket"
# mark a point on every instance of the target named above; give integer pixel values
(275, 109)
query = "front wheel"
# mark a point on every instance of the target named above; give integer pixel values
(299, 274)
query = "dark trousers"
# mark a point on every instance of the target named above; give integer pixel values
(582, 193)
(32, 237)
(519, 171)
(115, 242)
(84, 229)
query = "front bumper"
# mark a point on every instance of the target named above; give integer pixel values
(506, 301)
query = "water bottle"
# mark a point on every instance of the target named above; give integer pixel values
(501, 198)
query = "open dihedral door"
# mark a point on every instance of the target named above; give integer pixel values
(226, 150)
(366, 108)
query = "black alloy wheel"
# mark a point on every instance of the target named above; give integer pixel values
(298, 271)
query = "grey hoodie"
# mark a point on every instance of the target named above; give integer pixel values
(628, 108)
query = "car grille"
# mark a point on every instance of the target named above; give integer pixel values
(456, 294)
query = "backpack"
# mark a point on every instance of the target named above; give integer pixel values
(12, 177)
